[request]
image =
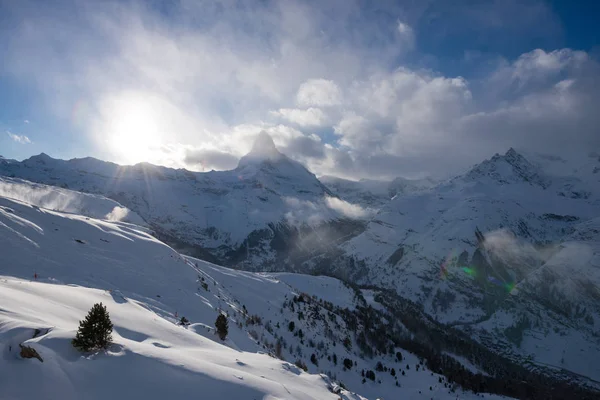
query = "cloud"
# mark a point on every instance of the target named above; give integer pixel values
(348, 209)
(26, 121)
(18, 138)
(303, 210)
(205, 159)
(344, 87)
(309, 117)
(318, 92)
(406, 34)
(117, 214)
(305, 147)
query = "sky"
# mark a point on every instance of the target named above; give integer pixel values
(351, 88)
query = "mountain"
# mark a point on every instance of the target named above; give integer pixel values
(267, 213)
(374, 193)
(56, 265)
(6, 160)
(507, 252)
(492, 253)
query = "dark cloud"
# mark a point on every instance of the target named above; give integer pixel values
(304, 147)
(204, 159)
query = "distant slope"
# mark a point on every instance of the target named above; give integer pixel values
(68, 201)
(374, 193)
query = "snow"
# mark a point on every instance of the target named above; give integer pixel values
(151, 358)
(467, 364)
(538, 215)
(67, 201)
(55, 265)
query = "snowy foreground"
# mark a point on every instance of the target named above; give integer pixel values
(79, 260)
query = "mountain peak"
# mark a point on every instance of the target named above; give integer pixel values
(511, 167)
(262, 150)
(264, 147)
(41, 158)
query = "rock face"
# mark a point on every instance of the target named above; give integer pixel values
(29, 352)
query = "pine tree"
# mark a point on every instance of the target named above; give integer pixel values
(222, 326)
(95, 330)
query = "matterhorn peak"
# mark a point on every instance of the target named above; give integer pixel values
(264, 147)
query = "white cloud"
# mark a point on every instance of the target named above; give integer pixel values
(318, 92)
(310, 117)
(341, 97)
(348, 209)
(18, 138)
(406, 34)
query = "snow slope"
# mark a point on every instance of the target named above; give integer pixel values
(146, 286)
(67, 201)
(151, 358)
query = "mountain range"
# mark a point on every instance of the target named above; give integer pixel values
(507, 253)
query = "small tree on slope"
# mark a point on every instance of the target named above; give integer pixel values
(95, 330)
(222, 326)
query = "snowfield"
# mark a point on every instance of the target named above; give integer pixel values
(56, 264)
(151, 357)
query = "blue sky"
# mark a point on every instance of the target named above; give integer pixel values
(358, 89)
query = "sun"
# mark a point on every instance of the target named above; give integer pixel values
(133, 131)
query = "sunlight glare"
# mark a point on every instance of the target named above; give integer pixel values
(134, 129)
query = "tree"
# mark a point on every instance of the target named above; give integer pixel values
(335, 358)
(278, 349)
(370, 375)
(301, 364)
(313, 359)
(95, 330)
(291, 326)
(222, 326)
(399, 356)
(348, 363)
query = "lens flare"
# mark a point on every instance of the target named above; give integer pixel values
(444, 269)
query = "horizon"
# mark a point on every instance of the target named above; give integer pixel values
(434, 178)
(349, 89)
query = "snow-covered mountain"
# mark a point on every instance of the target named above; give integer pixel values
(268, 213)
(56, 264)
(507, 251)
(489, 252)
(373, 193)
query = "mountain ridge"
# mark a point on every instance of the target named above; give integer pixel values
(465, 248)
